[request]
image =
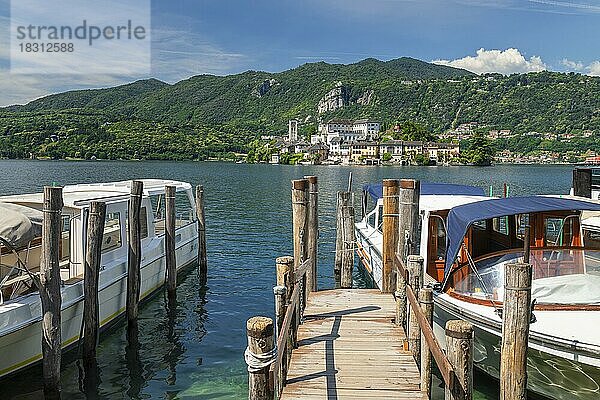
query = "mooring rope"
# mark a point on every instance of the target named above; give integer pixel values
(256, 362)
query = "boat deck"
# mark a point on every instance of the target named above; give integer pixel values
(350, 348)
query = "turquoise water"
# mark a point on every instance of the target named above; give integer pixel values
(196, 352)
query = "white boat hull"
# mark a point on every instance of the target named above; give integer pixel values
(20, 344)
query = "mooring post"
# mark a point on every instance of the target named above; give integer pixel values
(400, 295)
(391, 190)
(408, 238)
(170, 241)
(93, 254)
(516, 317)
(459, 349)
(343, 200)
(415, 269)
(348, 240)
(285, 277)
(50, 290)
(134, 255)
(582, 182)
(426, 302)
(259, 352)
(280, 293)
(312, 236)
(299, 206)
(202, 258)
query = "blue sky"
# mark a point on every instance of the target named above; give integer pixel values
(192, 37)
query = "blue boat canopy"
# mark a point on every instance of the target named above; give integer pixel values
(460, 218)
(428, 188)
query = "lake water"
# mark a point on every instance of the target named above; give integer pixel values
(198, 351)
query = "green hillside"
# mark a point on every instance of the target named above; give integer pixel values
(212, 115)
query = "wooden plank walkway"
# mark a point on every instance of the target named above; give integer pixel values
(350, 348)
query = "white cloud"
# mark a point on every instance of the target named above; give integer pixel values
(594, 68)
(572, 65)
(505, 62)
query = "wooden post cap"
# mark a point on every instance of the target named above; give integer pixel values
(284, 260)
(299, 184)
(459, 329)
(391, 183)
(259, 327)
(279, 290)
(311, 179)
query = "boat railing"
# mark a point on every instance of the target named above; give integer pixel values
(288, 319)
(429, 342)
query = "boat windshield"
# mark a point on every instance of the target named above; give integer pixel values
(560, 276)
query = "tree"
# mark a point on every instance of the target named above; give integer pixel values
(386, 157)
(480, 151)
(413, 131)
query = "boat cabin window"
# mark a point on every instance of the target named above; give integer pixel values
(564, 272)
(112, 232)
(143, 223)
(591, 238)
(184, 209)
(64, 251)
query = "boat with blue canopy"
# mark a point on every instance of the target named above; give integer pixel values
(467, 238)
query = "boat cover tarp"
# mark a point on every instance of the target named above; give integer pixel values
(429, 188)
(19, 224)
(567, 289)
(461, 217)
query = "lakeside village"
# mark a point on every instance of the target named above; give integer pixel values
(362, 142)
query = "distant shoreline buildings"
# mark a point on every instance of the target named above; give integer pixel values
(340, 141)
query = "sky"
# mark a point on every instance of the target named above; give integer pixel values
(191, 37)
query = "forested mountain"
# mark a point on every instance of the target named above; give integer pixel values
(210, 115)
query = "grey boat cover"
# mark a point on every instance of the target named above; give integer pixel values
(19, 224)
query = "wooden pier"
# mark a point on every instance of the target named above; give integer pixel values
(347, 335)
(349, 343)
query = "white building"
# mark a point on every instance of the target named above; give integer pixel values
(293, 130)
(348, 131)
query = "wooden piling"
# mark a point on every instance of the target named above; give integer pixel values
(391, 191)
(415, 269)
(299, 213)
(516, 317)
(260, 343)
(280, 293)
(459, 349)
(93, 253)
(400, 297)
(408, 238)
(582, 182)
(50, 296)
(343, 200)
(312, 230)
(347, 246)
(202, 258)
(134, 255)
(170, 241)
(426, 302)
(285, 271)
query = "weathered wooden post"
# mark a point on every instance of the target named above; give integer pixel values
(408, 237)
(348, 240)
(134, 255)
(259, 355)
(391, 190)
(415, 269)
(459, 349)
(170, 241)
(50, 290)
(343, 200)
(93, 253)
(299, 208)
(516, 316)
(280, 293)
(400, 296)
(312, 223)
(202, 259)
(426, 301)
(582, 182)
(285, 272)
(285, 277)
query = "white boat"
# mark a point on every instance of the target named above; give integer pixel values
(20, 245)
(467, 238)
